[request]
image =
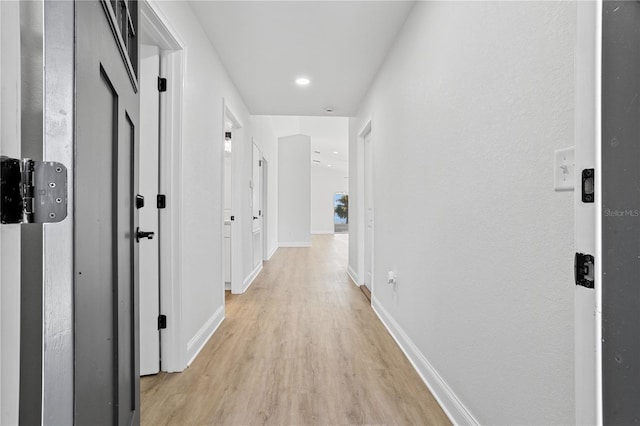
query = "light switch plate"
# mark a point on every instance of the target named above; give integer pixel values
(564, 171)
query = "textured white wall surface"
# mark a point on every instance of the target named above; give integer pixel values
(294, 189)
(466, 112)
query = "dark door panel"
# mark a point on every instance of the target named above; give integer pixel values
(106, 305)
(621, 212)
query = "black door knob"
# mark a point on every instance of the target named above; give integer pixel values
(142, 234)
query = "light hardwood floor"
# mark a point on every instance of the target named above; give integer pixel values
(301, 347)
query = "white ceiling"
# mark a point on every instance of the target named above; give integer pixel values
(329, 138)
(266, 45)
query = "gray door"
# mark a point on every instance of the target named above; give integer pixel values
(106, 287)
(621, 212)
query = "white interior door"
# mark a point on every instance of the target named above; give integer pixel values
(265, 200)
(256, 205)
(368, 203)
(149, 255)
(226, 249)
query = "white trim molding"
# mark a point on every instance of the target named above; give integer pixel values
(451, 405)
(352, 274)
(157, 25)
(272, 252)
(252, 276)
(203, 335)
(294, 244)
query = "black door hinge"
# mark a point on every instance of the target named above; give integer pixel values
(584, 270)
(227, 136)
(162, 84)
(588, 185)
(162, 322)
(162, 201)
(139, 201)
(259, 163)
(232, 218)
(32, 191)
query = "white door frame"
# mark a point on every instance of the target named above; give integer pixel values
(9, 234)
(588, 312)
(259, 194)
(173, 347)
(265, 202)
(366, 130)
(237, 140)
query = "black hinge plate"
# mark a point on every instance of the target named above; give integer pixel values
(11, 205)
(259, 163)
(232, 218)
(32, 191)
(588, 185)
(162, 201)
(162, 84)
(584, 270)
(139, 201)
(162, 322)
(227, 136)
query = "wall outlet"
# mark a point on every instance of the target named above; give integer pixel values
(564, 174)
(391, 278)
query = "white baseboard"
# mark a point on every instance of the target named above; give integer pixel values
(252, 276)
(227, 286)
(272, 252)
(452, 406)
(352, 274)
(322, 232)
(203, 335)
(298, 244)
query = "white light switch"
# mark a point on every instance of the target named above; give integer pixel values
(564, 169)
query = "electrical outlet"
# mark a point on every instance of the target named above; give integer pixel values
(391, 278)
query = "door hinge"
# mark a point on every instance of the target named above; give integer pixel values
(259, 163)
(232, 218)
(162, 201)
(584, 270)
(588, 185)
(162, 84)
(162, 322)
(259, 212)
(227, 136)
(32, 191)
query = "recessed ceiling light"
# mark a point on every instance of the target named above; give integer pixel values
(302, 81)
(329, 165)
(335, 152)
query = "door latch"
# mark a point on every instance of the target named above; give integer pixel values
(32, 191)
(588, 185)
(584, 270)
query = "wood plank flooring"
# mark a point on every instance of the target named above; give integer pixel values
(301, 347)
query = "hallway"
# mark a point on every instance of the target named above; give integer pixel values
(301, 346)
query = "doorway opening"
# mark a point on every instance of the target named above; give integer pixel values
(233, 217)
(341, 213)
(161, 349)
(365, 212)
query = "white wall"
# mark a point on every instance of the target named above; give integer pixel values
(206, 85)
(294, 187)
(325, 182)
(466, 113)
